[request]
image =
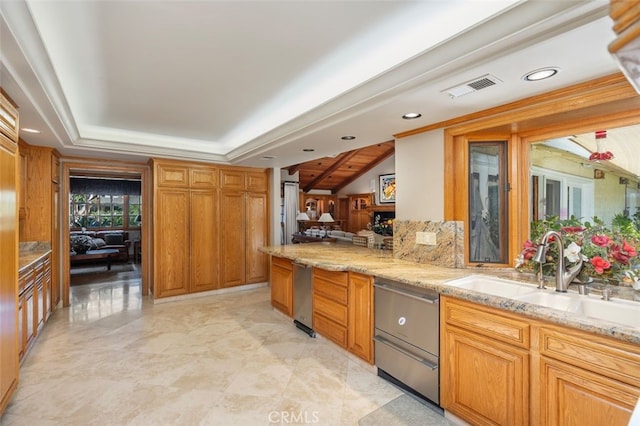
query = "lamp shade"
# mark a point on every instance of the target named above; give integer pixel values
(326, 217)
(302, 216)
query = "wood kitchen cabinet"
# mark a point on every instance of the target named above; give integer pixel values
(343, 310)
(9, 187)
(282, 285)
(330, 299)
(34, 301)
(485, 364)
(586, 379)
(360, 308)
(244, 218)
(185, 241)
(209, 223)
(506, 369)
(40, 174)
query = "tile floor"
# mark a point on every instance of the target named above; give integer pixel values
(115, 358)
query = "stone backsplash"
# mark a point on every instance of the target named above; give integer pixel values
(448, 252)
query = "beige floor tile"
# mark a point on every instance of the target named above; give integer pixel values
(115, 358)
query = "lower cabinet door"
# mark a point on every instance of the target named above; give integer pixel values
(572, 396)
(483, 381)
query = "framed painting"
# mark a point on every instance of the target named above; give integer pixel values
(387, 188)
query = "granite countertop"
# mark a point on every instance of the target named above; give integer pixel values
(381, 263)
(31, 252)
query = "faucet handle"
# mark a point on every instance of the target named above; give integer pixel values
(583, 289)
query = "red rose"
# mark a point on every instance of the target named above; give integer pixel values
(600, 240)
(599, 264)
(631, 250)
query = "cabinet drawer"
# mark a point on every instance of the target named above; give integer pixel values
(330, 329)
(281, 262)
(330, 290)
(330, 309)
(336, 277)
(603, 356)
(487, 322)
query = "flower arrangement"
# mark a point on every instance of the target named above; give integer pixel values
(382, 227)
(608, 254)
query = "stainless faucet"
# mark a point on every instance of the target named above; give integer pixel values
(563, 277)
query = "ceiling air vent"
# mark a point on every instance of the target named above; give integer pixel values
(474, 85)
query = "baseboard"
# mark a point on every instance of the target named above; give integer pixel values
(208, 293)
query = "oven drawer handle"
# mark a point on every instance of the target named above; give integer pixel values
(384, 341)
(404, 293)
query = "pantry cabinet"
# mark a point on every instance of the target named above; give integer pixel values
(209, 223)
(244, 214)
(506, 369)
(185, 243)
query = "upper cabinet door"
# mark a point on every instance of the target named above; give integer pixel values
(232, 179)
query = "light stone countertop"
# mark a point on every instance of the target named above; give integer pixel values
(31, 252)
(381, 263)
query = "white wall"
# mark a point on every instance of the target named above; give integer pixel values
(420, 177)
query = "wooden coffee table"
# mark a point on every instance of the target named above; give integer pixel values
(107, 254)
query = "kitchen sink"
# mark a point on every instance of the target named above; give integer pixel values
(614, 310)
(494, 286)
(560, 301)
(618, 311)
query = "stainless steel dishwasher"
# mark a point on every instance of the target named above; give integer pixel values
(302, 298)
(406, 337)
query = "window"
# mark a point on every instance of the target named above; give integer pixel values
(104, 211)
(560, 194)
(487, 202)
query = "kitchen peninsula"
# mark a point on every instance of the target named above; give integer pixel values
(530, 356)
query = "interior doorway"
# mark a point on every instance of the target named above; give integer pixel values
(139, 243)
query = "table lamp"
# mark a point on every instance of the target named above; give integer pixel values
(324, 219)
(302, 217)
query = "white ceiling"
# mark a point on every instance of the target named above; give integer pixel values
(238, 81)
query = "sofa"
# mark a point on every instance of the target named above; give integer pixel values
(81, 241)
(340, 236)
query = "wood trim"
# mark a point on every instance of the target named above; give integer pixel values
(601, 103)
(594, 92)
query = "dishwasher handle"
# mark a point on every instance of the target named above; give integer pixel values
(417, 296)
(300, 265)
(423, 361)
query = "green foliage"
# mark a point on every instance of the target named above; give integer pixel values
(613, 247)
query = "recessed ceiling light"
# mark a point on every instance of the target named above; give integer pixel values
(268, 157)
(540, 74)
(348, 138)
(28, 130)
(411, 115)
(308, 149)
